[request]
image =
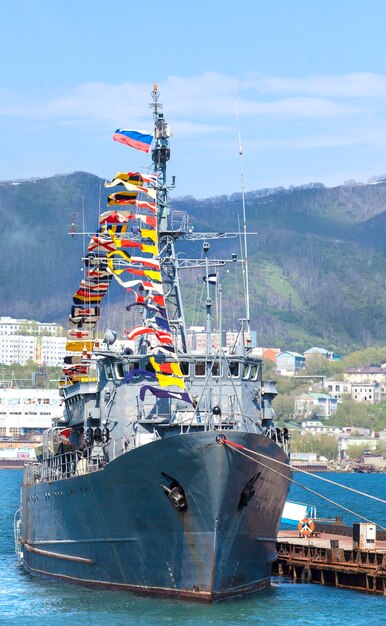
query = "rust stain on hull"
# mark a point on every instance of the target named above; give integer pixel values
(182, 594)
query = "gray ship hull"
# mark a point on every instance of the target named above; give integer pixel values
(117, 528)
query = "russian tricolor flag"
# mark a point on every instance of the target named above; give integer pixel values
(138, 139)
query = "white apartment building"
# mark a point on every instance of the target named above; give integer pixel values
(27, 412)
(26, 340)
(308, 404)
(20, 349)
(12, 326)
(51, 350)
(361, 391)
(17, 349)
(196, 336)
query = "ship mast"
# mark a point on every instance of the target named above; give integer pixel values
(160, 156)
(172, 228)
(168, 233)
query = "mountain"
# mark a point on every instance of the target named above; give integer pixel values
(317, 264)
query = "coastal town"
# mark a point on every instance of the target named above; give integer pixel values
(308, 404)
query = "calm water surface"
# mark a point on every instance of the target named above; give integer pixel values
(30, 600)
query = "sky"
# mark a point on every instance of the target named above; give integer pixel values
(306, 79)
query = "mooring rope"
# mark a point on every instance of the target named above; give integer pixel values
(239, 448)
(326, 480)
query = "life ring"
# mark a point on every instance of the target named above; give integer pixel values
(306, 527)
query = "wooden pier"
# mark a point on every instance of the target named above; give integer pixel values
(330, 559)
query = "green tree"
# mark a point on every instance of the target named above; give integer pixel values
(323, 445)
(284, 407)
(350, 413)
(381, 448)
(356, 450)
(317, 365)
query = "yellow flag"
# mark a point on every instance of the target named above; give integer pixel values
(132, 187)
(112, 229)
(78, 346)
(174, 366)
(170, 381)
(146, 233)
(153, 275)
(150, 249)
(176, 369)
(125, 176)
(125, 255)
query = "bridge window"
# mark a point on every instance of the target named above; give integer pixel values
(234, 369)
(185, 368)
(247, 371)
(254, 371)
(199, 368)
(119, 373)
(216, 368)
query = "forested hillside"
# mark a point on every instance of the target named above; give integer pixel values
(317, 263)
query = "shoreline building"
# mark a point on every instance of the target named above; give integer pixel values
(289, 363)
(369, 391)
(24, 340)
(196, 336)
(26, 413)
(366, 376)
(318, 404)
(12, 326)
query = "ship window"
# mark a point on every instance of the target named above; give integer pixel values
(108, 370)
(119, 373)
(149, 367)
(234, 369)
(184, 368)
(216, 369)
(247, 369)
(254, 371)
(133, 366)
(199, 368)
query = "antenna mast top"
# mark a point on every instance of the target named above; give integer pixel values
(155, 105)
(246, 270)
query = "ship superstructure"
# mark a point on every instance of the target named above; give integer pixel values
(138, 487)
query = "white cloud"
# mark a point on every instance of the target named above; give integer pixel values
(354, 85)
(203, 102)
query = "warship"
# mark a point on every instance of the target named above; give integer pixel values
(166, 474)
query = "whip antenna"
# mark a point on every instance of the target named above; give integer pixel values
(245, 269)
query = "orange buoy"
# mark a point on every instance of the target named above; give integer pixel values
(306, 527)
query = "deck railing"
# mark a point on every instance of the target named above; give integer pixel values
(62, 466)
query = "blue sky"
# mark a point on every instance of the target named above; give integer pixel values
(310, 79)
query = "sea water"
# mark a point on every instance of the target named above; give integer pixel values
(31, 600)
